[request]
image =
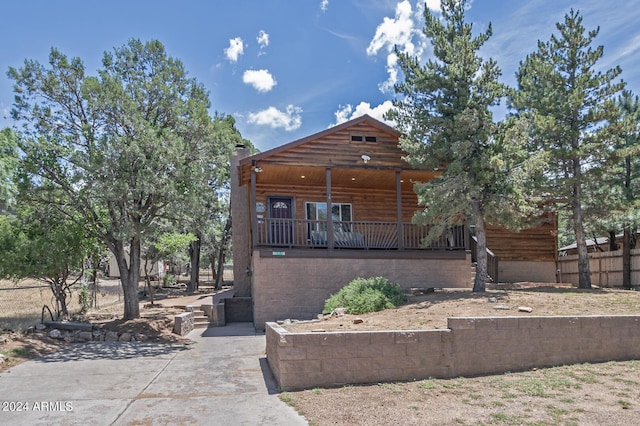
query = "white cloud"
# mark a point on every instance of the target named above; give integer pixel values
(348, 112)
(394, 32)
(392, 70)
(433, 5)
(289, 120)
(261, 80)
(262, 39)
(235, 49)
(400, 32)
(324, 5)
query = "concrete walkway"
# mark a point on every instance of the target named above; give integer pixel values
(222, 378)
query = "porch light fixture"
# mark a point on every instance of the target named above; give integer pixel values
(302, 177)
(353, 178)
(365, 158)
(255, 167)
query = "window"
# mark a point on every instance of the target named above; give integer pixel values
(339, 213)
(361, 138)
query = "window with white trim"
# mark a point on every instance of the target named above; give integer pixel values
(340, 212)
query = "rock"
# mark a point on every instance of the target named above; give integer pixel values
(111, 336)
(525, 309)
(141, 337)
(55, 334)
(493, 299)
(2, 359)
(358, 321)
(501, 307)
(85, 336)
(125, 337)
(40, 327)
(340, 311)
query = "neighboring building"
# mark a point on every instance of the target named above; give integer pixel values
(600, 244)
(311, 215)
(156, 269)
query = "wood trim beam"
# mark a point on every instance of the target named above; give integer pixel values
(252, 211)
(399, 211)
(330, 234)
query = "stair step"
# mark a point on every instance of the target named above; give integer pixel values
(201, 324)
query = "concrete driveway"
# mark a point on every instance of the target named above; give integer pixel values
(222, 378)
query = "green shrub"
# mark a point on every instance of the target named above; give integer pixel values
(366, 295)
(85, 299)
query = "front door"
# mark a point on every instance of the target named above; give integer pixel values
(281, 226)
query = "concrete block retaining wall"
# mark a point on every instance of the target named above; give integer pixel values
(470, 346)
(289, 287)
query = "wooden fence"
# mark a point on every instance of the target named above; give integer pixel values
(606, 268)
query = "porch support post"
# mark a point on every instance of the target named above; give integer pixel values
(330, 234)
(252, 211)
(399, 211)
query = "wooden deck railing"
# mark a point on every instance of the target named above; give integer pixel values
(299, 233)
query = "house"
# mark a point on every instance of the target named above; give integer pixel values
(156, 268)
(599, 244)
(311, 215)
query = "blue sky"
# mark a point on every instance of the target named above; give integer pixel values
(289, 68)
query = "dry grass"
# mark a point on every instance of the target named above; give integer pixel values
(21, 303)
(586, 394)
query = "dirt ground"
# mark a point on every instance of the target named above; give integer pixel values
(431, 310)
(156, 324)
(587, 394)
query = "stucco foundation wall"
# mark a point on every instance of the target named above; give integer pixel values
(517, 271)
(297, 287)
(471, 346)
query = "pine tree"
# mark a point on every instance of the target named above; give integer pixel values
(573, 113)
(445, 115)
(125, 150)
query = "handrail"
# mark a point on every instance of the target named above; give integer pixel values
(492, 259)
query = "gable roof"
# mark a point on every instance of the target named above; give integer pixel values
(364, 119)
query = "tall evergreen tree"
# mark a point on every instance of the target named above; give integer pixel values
(444, 113)
(573, 112)
(125, 148)
(629, 153)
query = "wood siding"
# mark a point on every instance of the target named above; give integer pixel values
(337, 149)
(300, 169)
(532, 244)
(368, 204)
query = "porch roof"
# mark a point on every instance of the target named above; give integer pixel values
(362, 152)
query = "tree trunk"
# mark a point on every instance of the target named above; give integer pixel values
(95, 265)
(194, 251)
(129, 276)
(584, 273)
(480, 281)
(147, 279)
(613, 245)
(226, 236)
(212, 261)
(626, 257)
(220, 271)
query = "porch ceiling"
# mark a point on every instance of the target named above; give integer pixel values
(343, 177)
